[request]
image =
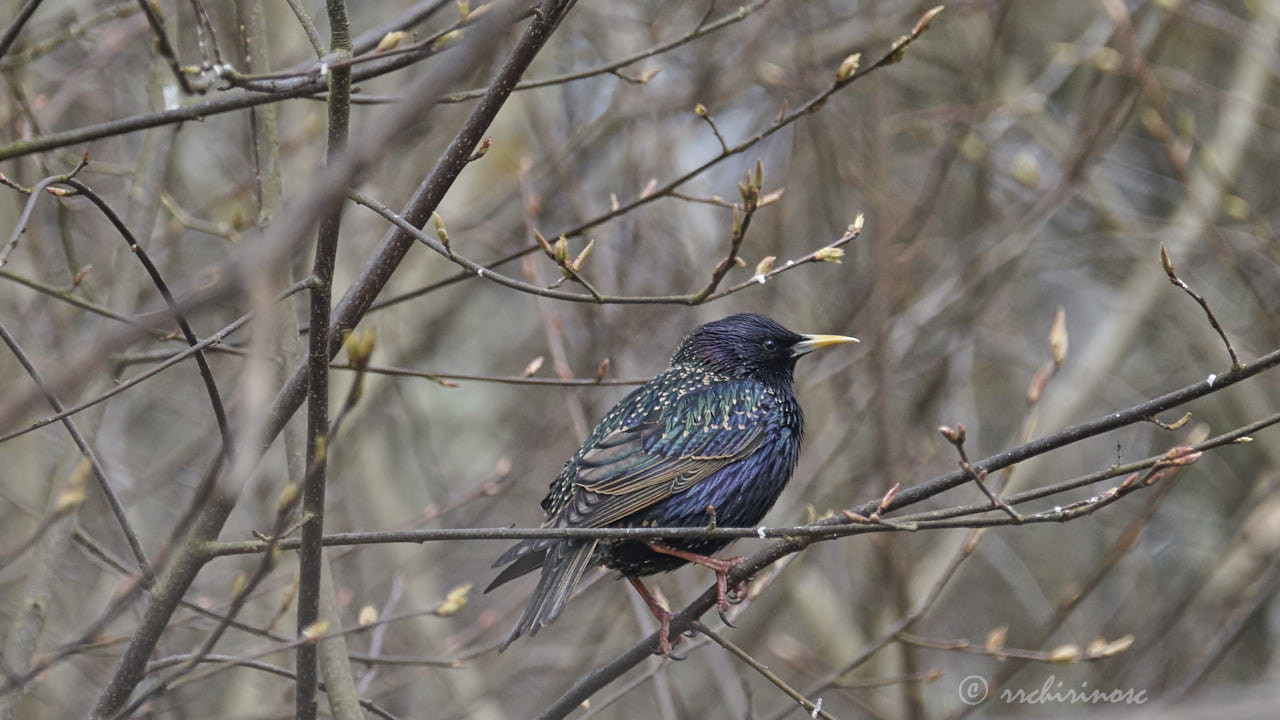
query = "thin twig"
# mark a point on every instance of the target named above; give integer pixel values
(750, 193)
(164, 47)
(814, 709)
(697, 298)
(1089, 653)
(956, 436)
(71, 298)
(702, 29)
(34, 192)
(443, 378)
(308, 83)
(20, 19)
(65, 503)
(99, 472)
(168, 362)
(206, 373)
(701, 111)
(309, 27)
(895, 54)
(239, 661)
(241, 594)
(926, 601)
(1167, 262)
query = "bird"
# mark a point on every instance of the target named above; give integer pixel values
(713, 439)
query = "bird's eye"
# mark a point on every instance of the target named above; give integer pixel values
(770, 345)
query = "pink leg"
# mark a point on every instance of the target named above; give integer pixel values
(721, 568)
(662, 614)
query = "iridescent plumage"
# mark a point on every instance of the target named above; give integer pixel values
(719, 429)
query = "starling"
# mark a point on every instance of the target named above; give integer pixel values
(714, 438)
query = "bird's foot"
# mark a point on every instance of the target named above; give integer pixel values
(725, 595)
(663, 616)
(722, 568)
(664, 637)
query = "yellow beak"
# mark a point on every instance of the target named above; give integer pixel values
(815, 342)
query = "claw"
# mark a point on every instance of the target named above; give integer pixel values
(725, 618)
(677, 658)
(690, 633)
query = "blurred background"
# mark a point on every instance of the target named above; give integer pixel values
(1021, 158)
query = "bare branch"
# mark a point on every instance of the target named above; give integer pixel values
(1167, 263)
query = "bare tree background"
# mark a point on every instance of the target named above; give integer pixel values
(1051, 223)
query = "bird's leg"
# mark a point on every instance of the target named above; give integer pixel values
(721, 568)
(662, 614)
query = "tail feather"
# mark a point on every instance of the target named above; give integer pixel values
(562, 568)
(525, 563)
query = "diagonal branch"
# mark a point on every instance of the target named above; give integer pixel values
(99, 473)
(11, 33)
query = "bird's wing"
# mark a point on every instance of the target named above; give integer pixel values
(682, 439)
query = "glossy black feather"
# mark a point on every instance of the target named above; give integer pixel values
(721, 427)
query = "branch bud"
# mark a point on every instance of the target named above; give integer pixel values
(770, 198)
(546, 246)
(1167, 262)
(359, 345)
(1180, 456)
(829, 255)
(441, 232)
(582, 256)
(73, 495)
(923, 23)
(996, 639)
(288, 496)
(1058, 338)
(848, 67)
(454, 601)
(955, 436)
(312, 633)
(900, 50)
(1038, 382)
(887, 500)
(1065, 654)
(533, 367)
(446, 40)
(391, 40)
(1117, 646)
(484, 148)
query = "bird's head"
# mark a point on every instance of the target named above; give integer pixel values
(750, 346)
